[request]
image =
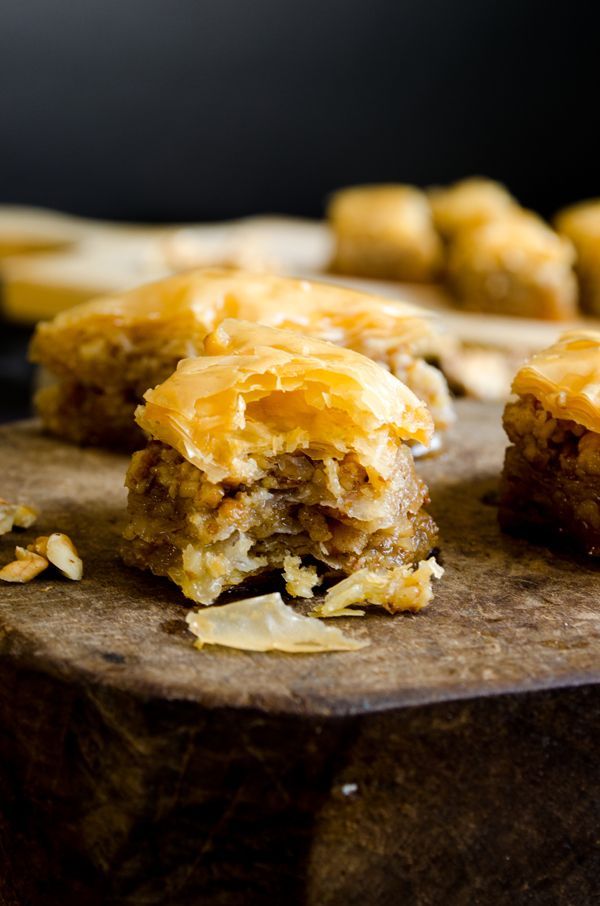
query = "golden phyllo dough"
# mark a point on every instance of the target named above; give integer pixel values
(275, 445)
(384, 231)
(566, 378)
(551, 478)
(581, 224)
(105, 354)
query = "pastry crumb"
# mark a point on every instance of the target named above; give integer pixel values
(396, 589)
(300, 580)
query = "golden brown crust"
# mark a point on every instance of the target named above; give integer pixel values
(565, 378)
(107, 353)
(258, 391)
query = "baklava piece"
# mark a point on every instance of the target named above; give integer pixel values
(386, 232)
(469, 203)
(514, 266)
(581, 224)
(551, 479)
(273, 446)
(105, 354)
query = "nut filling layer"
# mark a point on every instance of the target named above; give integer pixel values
(208, 536)
(551, 479)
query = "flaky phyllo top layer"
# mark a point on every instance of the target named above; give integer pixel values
(258, 392)
(565, 378)
(192, 304)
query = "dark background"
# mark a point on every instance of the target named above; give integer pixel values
(166, 110)
(187, 109)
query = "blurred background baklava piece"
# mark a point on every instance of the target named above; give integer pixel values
(385, 232)
(513, 265)
(580, 224)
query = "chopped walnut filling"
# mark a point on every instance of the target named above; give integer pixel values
(544, 440)
(207, 537)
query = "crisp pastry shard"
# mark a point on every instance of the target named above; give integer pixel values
(265, 623)
(384, 231)
(271, 445)
(581, 224)
(551, 478)
(105, 354)
(515, 265)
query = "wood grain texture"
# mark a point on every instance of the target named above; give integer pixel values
(453, 760)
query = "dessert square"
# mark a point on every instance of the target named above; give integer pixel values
(384, 231)
(516, 266)
(276, 451)
(581, 225)
(551, 480)
(103, 355)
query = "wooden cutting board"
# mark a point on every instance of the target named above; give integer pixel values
(453, 760)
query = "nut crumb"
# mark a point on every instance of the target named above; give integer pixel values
(39, 546)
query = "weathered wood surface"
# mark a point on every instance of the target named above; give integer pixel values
(453, 760)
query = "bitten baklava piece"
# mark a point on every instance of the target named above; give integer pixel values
(514, 265)
(551, 478)
(469, 203)
(276, 451)
(384, 231)
(581, 224)
(105, 354)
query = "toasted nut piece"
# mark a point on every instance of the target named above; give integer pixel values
(25, 516)
(39, 546)
(15, 514)
(61, 552)
(25, 568)
(7, 516)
